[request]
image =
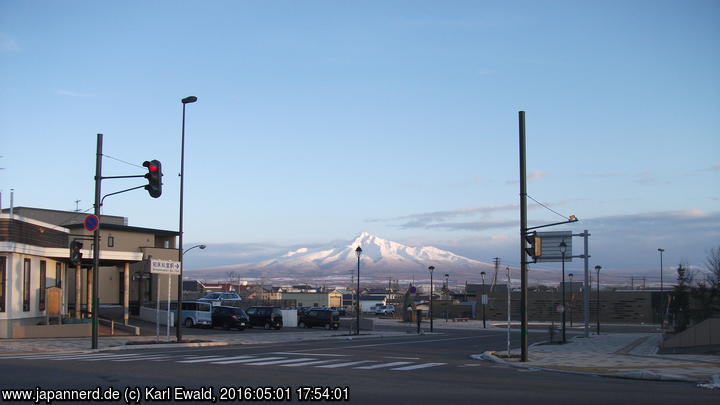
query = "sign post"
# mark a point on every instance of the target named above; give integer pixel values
(170, 268)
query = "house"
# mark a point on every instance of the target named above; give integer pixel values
(34, 255)
(368, 302)
(325, 299)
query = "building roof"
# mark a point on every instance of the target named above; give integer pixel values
(158, 232)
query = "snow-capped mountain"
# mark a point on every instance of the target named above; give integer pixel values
(380, 259)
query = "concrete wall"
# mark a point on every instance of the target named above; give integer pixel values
(630, 307)
(45, 331)
(706, 333)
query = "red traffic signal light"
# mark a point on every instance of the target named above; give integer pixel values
(154, 176)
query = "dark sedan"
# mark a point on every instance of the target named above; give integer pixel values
(326, 318)
(229, 317)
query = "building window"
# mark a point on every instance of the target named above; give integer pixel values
(3, 274)
(166, 244)
(58, 274)
(26, 285)
(43, 280)
(111, 241)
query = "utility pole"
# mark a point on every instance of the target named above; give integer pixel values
(523, 243)
(96, 243)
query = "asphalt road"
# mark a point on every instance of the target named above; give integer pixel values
(399, 370)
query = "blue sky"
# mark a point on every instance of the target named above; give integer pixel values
(321, 119)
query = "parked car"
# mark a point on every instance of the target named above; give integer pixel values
(229, 317)
(386, 310)
(267, 317)
(326, 318)
(194, 313)
(217, 298)
(341, 310)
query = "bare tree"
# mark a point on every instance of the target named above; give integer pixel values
(713, 264)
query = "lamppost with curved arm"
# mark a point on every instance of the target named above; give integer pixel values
(572, 299)
(431, 269)
(196, 246)
(482, 296)
(178, 329)
(597, 268)
(358, 252)
(662, 295)
(563, 249)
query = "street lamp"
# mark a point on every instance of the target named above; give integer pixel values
(662, 296)
(178, 330)
(563, 249)
(597, 268)
(431, 269)
(447, 295)
(482, 296)
(572, 299)
(196, 246)
(358, 252)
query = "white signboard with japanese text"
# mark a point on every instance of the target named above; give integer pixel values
(164, 267)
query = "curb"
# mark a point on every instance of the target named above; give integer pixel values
(633, 375)
(164, 346)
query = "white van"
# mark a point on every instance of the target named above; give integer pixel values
(195, 313)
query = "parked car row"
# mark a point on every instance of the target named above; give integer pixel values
(202, 313)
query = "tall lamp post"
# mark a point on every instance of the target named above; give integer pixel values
(563, 249)
(482, 296)
(178, 330)
(662, 295)
(358, 252)
(597, 268)
(572, 299)
(447, 295)
(431, 269)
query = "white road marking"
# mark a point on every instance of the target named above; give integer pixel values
(310, 363)
(142, 358)
(214, 358)
(99, 358)
(268, 363)
(393, 364)
(352, 363)
(312, 354)
(426, 365)
(247, 360)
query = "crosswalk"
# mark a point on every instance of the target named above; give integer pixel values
(280, 359)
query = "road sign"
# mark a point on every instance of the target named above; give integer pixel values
(91, 223)
(484, 299)
(550, 242)
(164, 267)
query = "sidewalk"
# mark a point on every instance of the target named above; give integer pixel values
(622, 355)
(58, 345)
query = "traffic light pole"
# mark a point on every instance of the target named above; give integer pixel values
(523, 241)
(96, 243)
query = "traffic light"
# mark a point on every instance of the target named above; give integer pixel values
(75, 253)
(154, 176)
(535, 248)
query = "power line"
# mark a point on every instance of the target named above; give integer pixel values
(122, 161)
(548, 208)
